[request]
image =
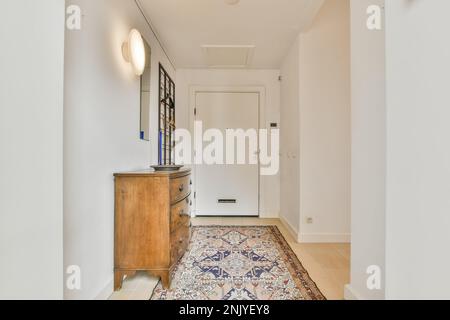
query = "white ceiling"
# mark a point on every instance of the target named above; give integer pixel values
(184, 26)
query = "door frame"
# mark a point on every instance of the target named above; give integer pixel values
(261, 91)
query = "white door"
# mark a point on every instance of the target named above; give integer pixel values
(227, 190)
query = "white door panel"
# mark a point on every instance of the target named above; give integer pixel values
(237, 185)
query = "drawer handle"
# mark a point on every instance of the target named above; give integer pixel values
(182, 213)
(181, 188)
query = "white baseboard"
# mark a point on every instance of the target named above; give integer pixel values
(324, 238)
(291, 229)
(269, 215)
(106, 292)
(350, 294)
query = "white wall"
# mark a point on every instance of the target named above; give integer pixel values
(290, 137)
(101, 136)
(368, 151)
(400, 151)
(315, 116)
(188, 78)
(31, 112)
(418, 153)
(325, 129)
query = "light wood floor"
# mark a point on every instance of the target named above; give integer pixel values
(327, 264)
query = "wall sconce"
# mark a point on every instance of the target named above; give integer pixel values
(133, 51)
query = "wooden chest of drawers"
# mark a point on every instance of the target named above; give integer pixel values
(152, 223)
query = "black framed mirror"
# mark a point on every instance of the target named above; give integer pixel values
(166, 117)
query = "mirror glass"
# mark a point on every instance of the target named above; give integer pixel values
(145, 95)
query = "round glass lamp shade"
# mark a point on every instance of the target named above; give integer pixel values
(134, 52)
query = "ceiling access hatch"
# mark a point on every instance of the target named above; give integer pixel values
(228, 56)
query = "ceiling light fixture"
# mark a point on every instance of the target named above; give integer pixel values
(134, 51)
(232, 2)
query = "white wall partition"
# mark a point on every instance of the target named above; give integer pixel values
(324, 123)
(418, 153)
(31, 161)
(315, 129)
(101, 135)
(401, 173)
(290, 135)
(368, 152)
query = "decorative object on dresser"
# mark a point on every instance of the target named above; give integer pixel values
(167, 167)
(152, 223)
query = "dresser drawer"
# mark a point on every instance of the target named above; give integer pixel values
(151, 223)
(180, 188)
(179, 243)
(180, 215)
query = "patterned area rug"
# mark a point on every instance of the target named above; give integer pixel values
(239, 263)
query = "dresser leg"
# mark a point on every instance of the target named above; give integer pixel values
(165, 278)
(118, 279)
